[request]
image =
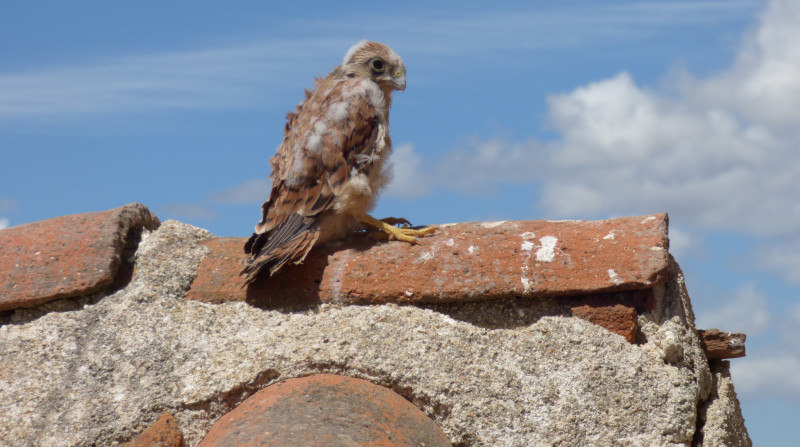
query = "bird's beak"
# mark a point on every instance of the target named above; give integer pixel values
(399, 80)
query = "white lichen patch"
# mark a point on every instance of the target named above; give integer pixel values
(656, 248)
(547, 252)
(609, 236)
(614, 277)
(648, 219)
(425, 256)
(527, 250)
(450, 242)
(472, 249)
(526, 285)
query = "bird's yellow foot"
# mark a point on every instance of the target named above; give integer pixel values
(391, 232)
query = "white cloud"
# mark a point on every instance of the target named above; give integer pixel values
(626, 149)
(712, 160)
(248, 73)
(781, 255)
(188, 211)
(773, 355)
(410, 179)
(4, 223)
(485, 164)
(745, 310)
(215, 77)
(459, 32)
(764, 83)
(790, 323)
(681, 242)
(251, 191)
(773, 375)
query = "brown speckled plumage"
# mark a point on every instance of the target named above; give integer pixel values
(330, 166)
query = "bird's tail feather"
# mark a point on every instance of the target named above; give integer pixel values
(270, 251)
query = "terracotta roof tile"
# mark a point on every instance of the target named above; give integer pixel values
(66, 256)
(325, 410)
(163, 433)
(461, 262)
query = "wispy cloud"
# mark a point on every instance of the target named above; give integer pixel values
(217, 77)
(449, 31)
(251, 191)
(745, 310)
(774, 375)
(245, 74)
(188, 211)
(7, 204)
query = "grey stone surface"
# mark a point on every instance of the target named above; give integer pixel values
(97, 373)
(721, 418)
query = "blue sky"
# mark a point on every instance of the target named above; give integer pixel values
(522, 110)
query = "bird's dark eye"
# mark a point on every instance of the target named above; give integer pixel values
(377, 65)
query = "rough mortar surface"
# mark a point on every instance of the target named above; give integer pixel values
(100, 373)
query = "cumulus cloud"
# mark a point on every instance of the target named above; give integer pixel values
(718, 153)
(4, 223)
(764, 83)
(625, 148)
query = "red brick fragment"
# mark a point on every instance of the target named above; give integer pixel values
(616, 318)
(66, 256)
(719, 344)
(164, 433)
(325, 410)
(461, 262)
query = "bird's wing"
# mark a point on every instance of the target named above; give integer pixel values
(332, 132)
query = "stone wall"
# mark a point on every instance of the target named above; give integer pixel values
(502, 334)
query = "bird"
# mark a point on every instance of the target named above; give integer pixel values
(331, 164)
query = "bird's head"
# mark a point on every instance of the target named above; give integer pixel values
(376, 61)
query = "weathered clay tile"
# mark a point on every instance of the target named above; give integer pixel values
(719, 344)
(163, 433)
(66, 256)
(325, 410)
(461, 262)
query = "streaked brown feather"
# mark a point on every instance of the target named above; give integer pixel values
(333, 133)
(322, 175)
